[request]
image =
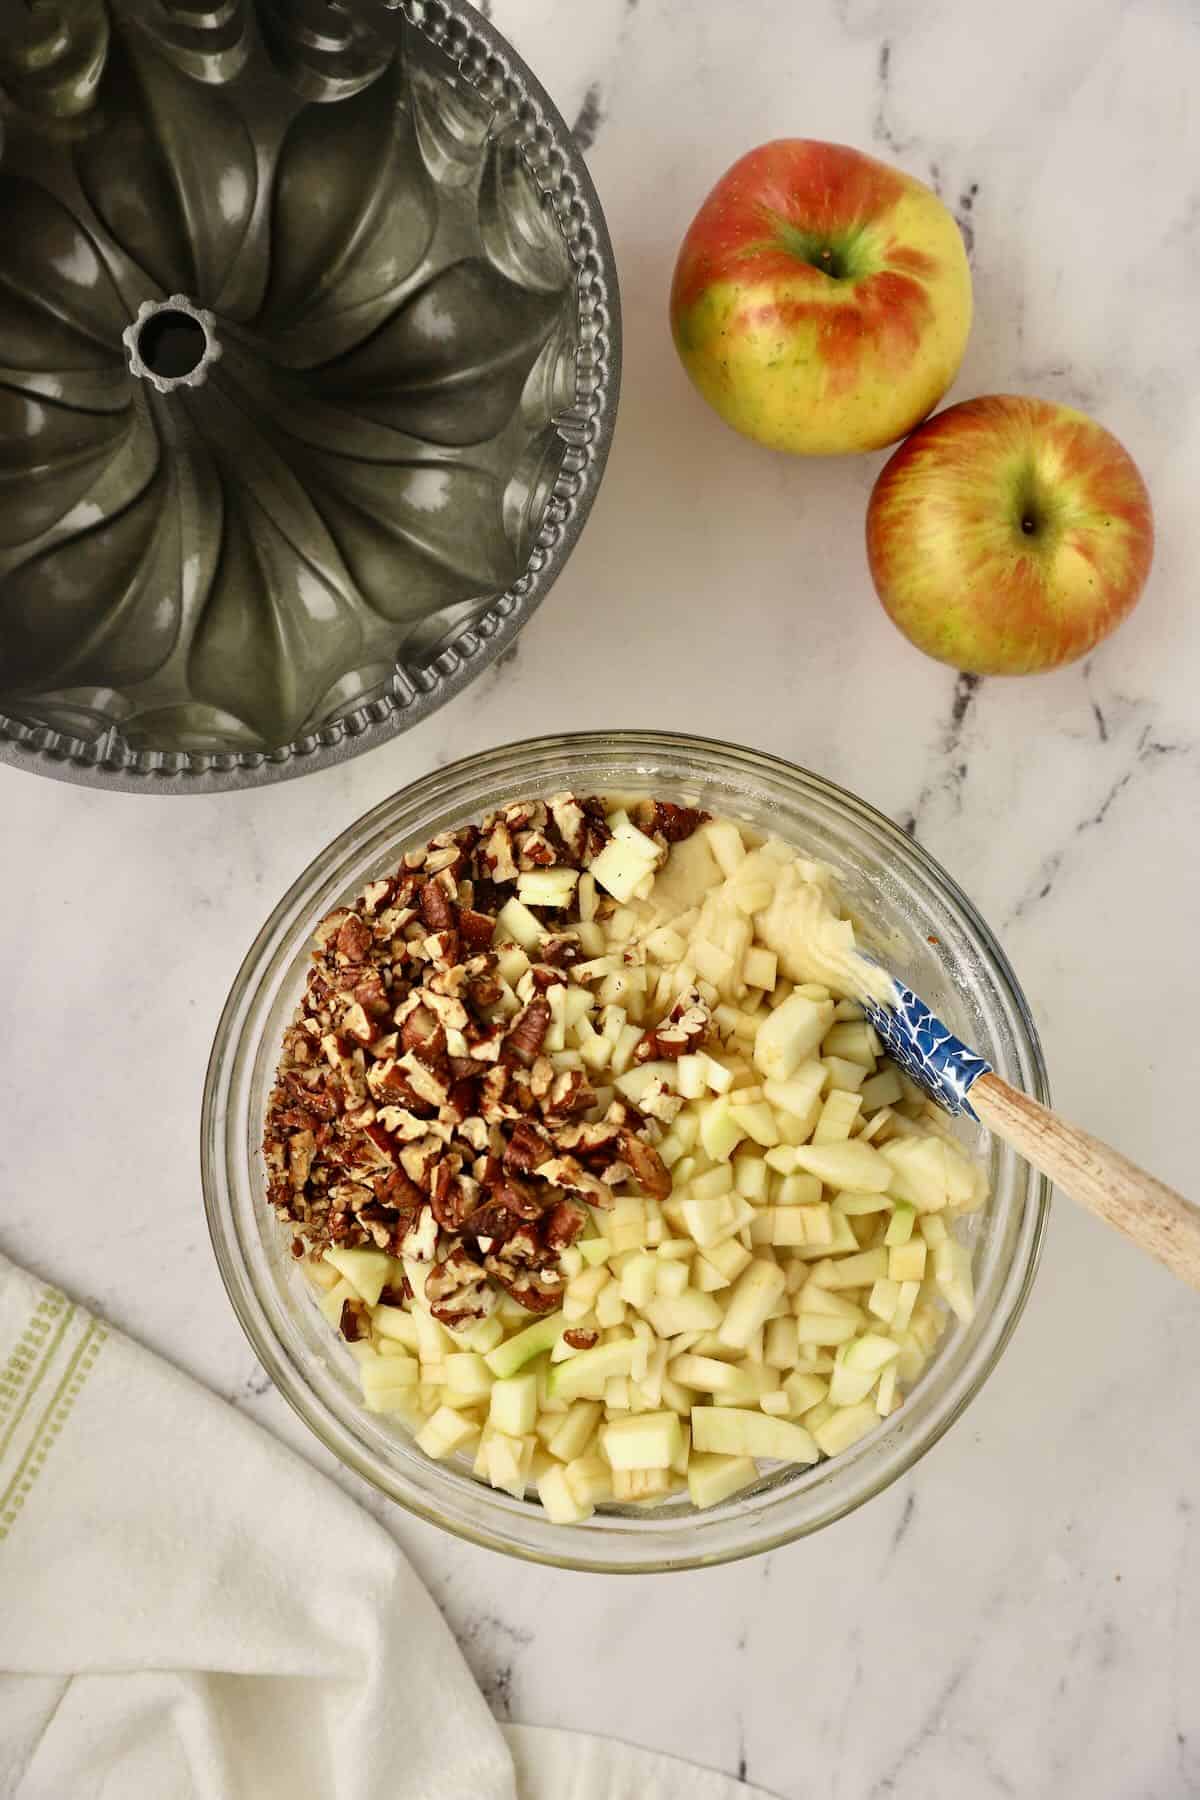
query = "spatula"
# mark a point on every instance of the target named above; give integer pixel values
(1144, 1209)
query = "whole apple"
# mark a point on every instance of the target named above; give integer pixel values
(821, 300)
(1009, 535)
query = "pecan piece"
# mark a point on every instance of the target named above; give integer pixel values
(518, 1196)
(684, 1029)
(353, 1324)
(371, 995)
(671, 823)
(454, 1196)
(457, 1290)
(561, 1225)
(353, 940)
(581, 1340)
(526, 1271)
(437, 909)
(649, 1169)
(527, 1149)
(527, 1032)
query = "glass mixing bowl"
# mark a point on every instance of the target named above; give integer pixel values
(916, 919)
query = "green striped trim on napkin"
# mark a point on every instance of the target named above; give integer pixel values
(42, 1377)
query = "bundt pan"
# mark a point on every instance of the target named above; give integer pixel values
(309, 345)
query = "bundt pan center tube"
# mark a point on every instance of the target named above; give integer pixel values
(309, 357)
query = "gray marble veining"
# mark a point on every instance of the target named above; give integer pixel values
(1021, 1616)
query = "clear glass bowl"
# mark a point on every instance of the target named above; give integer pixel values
(922, 926)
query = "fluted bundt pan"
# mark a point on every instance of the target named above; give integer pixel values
(309, 349)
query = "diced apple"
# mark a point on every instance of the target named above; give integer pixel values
(507, 1358)
(804, 1391)
(643, 1441)
(394, 1322)
(513, 1408)
(863, 1269)
(711, 1376)
(758, 1288)
(573, 1433)
(610, 1306)
(845, 1426)
(819, 1328)
(900, 1226)
(712, 1479)
(367, 1271)
(756, 1121)
(881, 1090)
(952, 1272)
(886, 1397)
(883, 1299)
(906, 1262)
(468, 1376)
(720, 1130)
(548, 887)
(836, 1118)
(850, 1165)
(918, 1172)
(446, 1432)
(670, 1279)
(760, 968)
(637, 1284)
(585, 1375)
(905, 1303)
(622, 865)
(734, 1431)
(510, 1462)
(690, 1311)
(515, 921)
(726, 844)
(790, 1035)
(856, 1042)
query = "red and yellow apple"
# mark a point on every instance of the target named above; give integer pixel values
(1009, 535)
(821, 300)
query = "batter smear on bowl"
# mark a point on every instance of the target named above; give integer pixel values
(596, 1165)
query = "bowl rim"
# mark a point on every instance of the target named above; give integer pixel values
(296, 1389)
(482, 54)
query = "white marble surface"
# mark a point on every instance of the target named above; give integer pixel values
(1021, 1616)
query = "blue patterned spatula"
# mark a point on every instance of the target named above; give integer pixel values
(1148, 1212)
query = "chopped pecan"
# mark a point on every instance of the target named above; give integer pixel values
(518, 1195)
(527, 1032)
(569, 1093)
(567, 1172)
(527, 1271)
(353, 940)
(581, 1340)
(496, 854)
(684, 1030)
(457, 1290)
(561, 1225)
(543, 975)
(454, 1196)
(353, 1323)
(649, 1169)
(535, 851)
(371, 995)
(671, 823)
(437, 909)
(527, 1149)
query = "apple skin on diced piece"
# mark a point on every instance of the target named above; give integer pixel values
(510, 1356)
(584, 1376)
(513, 1407)
(734, 1431)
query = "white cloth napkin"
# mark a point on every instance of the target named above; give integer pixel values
(189, 1612)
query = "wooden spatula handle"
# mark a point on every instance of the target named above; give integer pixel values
(1146, 1210)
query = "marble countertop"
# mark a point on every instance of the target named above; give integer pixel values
(1021, 1615)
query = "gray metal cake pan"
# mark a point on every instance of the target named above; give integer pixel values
(309, 360)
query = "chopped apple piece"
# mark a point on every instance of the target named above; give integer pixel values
(548, 887)
(790, 1035)
(850, 1165)
(906, 1262)
(758, 1288)
(585, 1375)
(468, 1376)
(513, 1408)
(712, 1479)
(515, 1352)
(735, 1431)
(837, 1117)
(446, 1432)
(367, 1271)
(690, 1311)
(844, 1426)
(558, 1499)
(573, 1432)
(643, 1441)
